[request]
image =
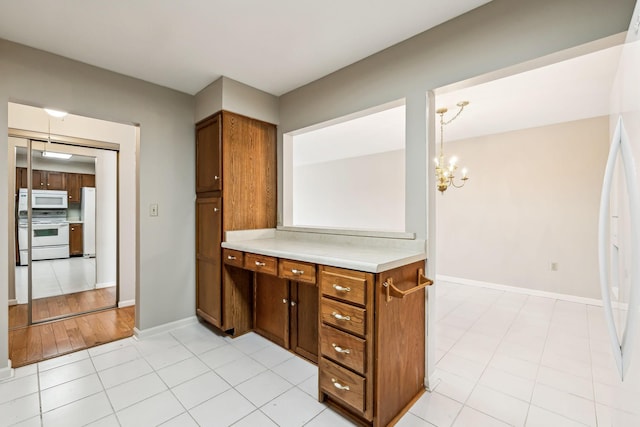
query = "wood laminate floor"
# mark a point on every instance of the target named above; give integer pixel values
(62, 305)
(36, 343)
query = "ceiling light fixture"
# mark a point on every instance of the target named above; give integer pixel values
(54, 155)
(55, 113)
(445, 172)
(60, 115)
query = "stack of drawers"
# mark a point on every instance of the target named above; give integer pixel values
(346, 347)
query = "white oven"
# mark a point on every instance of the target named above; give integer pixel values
(42, 199)
(49, 235)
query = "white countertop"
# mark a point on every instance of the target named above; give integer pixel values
(369, 254)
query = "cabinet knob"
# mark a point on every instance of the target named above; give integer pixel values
(72, 229)
(339, 349)
(216, 177)
(297, 272)
(231, 257)
(69, 196)
(341, 288)
(216, 209)
(340, 316)
(260, 264)
(339, 386)
(284, 300)
(293, 303)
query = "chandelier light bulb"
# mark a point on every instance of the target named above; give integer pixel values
(446, 175)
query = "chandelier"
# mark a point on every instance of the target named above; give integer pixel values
(446, 171)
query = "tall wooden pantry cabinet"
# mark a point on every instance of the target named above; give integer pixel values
(236, 190)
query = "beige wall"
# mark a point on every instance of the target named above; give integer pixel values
(533, 199)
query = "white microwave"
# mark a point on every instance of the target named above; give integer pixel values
(42, 199)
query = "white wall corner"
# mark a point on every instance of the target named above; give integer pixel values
(146, 333)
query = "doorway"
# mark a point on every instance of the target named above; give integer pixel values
(65, 232)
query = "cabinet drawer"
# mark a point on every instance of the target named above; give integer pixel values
(261, 263)
(297, 270)
(345, 285)
(343, 316)
(233, 257)
(343, 348)
(342, 384)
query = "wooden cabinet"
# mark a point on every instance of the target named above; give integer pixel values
(49, 180)
(21, 178)
(285, 310)
(304, 320)
(73, 187)
(208, 259)
(52, 180)
(75, 239)
(372, 366)
(236, 162)
(208, 156)
(271, 308)
(365, 331)
(87, 180)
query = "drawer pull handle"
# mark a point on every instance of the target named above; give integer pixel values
(341, 288)
(297, 272)
(231, 257)
(339, 386)
(341, 350)
(340, 316)
(260, 264)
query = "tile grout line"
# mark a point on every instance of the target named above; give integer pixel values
(492, 356)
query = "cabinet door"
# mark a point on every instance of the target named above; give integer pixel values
(87, 180)
(75, 239)
(208, 259)
(38, 179)
(304, 320)
(271, 308)
(21, 178)
(56, 181)
(208, 140)
(73, 187)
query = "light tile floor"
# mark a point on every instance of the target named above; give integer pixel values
(503, 359)
(56, 277)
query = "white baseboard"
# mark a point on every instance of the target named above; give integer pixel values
(7, 372)
(518, 290)
(13, 302)
(105, 285)
(142, 334)
(126, 303)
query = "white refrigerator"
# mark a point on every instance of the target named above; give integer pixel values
(88, 217)
(616, 361)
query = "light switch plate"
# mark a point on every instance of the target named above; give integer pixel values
(153, 209)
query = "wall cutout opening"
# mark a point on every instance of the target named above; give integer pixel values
(348, 173)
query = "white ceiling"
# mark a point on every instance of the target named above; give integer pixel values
(275, 45)
(569, 90)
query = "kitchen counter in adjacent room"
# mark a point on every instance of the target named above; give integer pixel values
(356, 252)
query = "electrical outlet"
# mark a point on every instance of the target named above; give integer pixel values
(153, 209)
(554, 266)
